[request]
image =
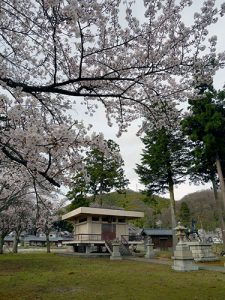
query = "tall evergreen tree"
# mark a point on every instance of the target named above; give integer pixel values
(205, 127)
(184, 213)
(163, 163)
(78, 194)
(103, 172)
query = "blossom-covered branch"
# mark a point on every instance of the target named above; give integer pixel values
(54, 51)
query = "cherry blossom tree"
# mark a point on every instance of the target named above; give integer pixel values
(43, 145)
(47, 215)
(53, 52)
(14, 184)
(23, 217)
(18, 217)
(5, 226)
(45, 222)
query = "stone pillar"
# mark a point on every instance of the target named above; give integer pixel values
(183, 260)
(116, 252)
(149, 249)
(88, 249)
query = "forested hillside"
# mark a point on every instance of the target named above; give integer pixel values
(202, 208)
(157, 212)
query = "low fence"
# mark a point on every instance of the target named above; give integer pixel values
(98, 237)
(88, 237)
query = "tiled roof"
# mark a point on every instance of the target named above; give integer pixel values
(102, 212)
(43, 239)
(34, 238)
(9, 239)
(154, 231)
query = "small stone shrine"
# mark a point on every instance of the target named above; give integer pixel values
(183, 260)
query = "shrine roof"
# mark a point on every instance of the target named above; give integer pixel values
(102, 212)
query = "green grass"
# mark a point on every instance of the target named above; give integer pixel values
(50, 276)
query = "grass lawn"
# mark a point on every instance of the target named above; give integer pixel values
(50, 276)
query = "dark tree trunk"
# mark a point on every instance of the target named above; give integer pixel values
(15, 243)
(48, 243)
(100, 196)
(172, 210)
(221, 179)
(1, 244)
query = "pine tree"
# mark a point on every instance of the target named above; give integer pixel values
(205, 127)
(184, 214)
(104, 172)
(164, 161)
(163, 164)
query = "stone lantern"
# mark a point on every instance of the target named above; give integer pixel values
(183, 260)
(150, 252)
(180, 232)
(115, 255)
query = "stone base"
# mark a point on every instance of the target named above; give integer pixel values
(115, 257)
(150, 255)
(183, 260)
(184, 265)
(116, 252)
(206, 259)
(202, 251)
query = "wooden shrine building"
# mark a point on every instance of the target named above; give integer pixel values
(96, 228)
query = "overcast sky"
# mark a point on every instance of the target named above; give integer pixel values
(131, 145)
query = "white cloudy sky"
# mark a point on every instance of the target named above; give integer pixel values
(131, 145)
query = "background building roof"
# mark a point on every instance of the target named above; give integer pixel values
(155, 231)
